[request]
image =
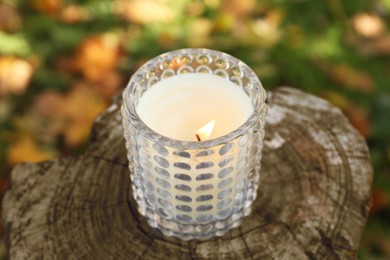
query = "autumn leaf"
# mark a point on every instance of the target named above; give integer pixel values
(357, 116)
(71, 114)
(49, 103)
(26, 149)
(359, 119)
(108, 86)
(144, 11)
(378, 46)
(337, 99)
(167, 39)
(223, 23)
(267, 28)
(199, 33)
(194, 8)
(49, 7)
(73, 14)
(80, 108)
(15, 74)
(368, 25)
(238, 8)
(352, 78)
(10, 19)
(380, 200)
(97, 56)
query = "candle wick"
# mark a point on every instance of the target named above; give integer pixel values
(198, 137)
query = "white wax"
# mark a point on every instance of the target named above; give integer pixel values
(178, 106)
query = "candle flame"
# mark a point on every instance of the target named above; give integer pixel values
(205, 132)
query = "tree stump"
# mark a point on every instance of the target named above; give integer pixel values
(312, 202)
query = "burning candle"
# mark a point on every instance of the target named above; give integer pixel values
(194, 107)
(193, 123)
(178, 106)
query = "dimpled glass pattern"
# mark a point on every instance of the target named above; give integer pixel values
(194, 190)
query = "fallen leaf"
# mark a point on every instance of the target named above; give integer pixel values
(194, 9)
(352, 78)
(80, 108)
(384, 244)
(70, 115)
(66, 64)
(15, 74)
(10, 19)
(239, 8)
(359, 119)
(199, 33)
(49, 103)
(73, 14)
(26, 149)
(167, 39)
(97, 56)
(212, 3)
(368, 25)
(109, 85)
(265, 31)
(224, 23)
(380, 200)
(49, 7)
(145, 11)
(378, 46)
(337, 99)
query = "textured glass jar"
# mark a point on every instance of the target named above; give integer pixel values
(194, 190)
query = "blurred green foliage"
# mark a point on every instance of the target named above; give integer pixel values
(63, 58)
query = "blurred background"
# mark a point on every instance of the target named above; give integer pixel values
(61, 61)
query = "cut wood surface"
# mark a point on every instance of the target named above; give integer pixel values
(312, 202)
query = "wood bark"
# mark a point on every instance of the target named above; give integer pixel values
(312, 202)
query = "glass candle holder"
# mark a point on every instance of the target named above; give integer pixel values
(191, 189)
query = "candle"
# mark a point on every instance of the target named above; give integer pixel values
(193, 123)
(191, 107)
(178, 106)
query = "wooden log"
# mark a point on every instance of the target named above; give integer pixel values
(312, 203)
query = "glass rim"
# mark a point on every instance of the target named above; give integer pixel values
(163, 140)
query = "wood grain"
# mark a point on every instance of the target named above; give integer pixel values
(312, 202)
